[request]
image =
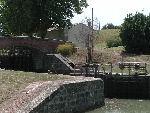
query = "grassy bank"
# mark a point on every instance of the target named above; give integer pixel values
(13, 81)
(103, 35)
(104, 55)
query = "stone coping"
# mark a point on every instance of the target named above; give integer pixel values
(29, 38)
(36, 92)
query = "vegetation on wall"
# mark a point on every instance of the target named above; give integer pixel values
(135, 33)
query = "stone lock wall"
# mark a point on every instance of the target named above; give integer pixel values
(60, 64)
(73, 97)
(130, 87)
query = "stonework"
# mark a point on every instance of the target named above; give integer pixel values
(57, 34)
(65, 96)
(33, 43)
(60, 64)
(79, 33)
(73, 96)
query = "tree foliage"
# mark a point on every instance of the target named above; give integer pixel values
(96, 22)
(135, 33)
(110, 26)
(36, 16)
(66, 49)
(113, 42)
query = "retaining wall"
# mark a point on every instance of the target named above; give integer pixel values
(68, 96)
(117, 86)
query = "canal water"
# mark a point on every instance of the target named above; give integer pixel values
(124, 106)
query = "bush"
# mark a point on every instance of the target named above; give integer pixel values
(113, 42)
(65, 49)
(108, 26)
(135, 33)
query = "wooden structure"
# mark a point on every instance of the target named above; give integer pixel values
(139, 67)
(117, 85)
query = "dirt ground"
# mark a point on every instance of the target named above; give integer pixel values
(105, 56)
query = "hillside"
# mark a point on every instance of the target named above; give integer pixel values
(103, 35)
(103, 54)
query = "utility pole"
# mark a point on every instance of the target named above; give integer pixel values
(90, 41)
(99, 26)
(89, 45)
(92, 34)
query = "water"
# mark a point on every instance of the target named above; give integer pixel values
(124, 106)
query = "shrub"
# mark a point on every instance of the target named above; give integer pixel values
(135, 33)
(65, 49)
(108, 26)
(113, 42)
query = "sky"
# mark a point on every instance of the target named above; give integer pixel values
(112, 11)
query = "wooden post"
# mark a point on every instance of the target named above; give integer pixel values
(129, 69)
(99, 26)
(121, 71)
(92, 33)
(145, 69)
(111, 67)
(88, 45)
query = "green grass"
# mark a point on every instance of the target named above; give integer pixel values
(114, 54)
(13, 81)
(103, 35)
(101, 45)
(119, 48)
(104, 55)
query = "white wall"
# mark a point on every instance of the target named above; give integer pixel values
(79, 34)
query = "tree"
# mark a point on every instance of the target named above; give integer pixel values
(96, 22)
(135, 33)
(36, 16)
(108, 26)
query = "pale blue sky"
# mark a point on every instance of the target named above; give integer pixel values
(113, 11)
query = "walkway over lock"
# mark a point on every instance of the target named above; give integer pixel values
(25, 53)
(33, 43)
